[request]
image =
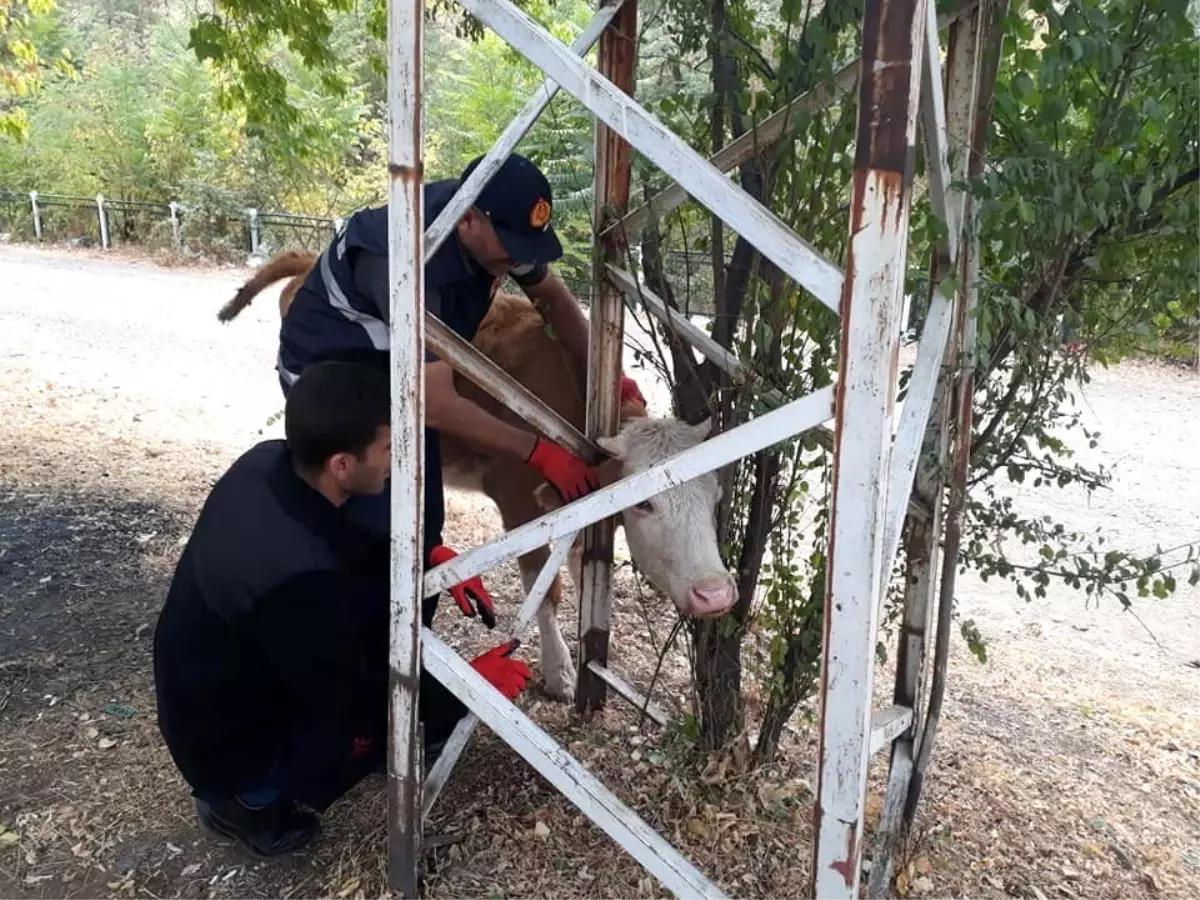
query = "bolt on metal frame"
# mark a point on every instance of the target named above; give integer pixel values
(873, 472)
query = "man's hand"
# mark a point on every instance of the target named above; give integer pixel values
(508, 676)
(568, 474)
(472, 588)
(630, 391)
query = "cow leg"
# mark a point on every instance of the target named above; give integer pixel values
(558, 672)
(511, 489)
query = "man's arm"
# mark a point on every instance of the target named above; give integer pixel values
(561, 310)
(446, 410)
(562, 313)
(449, 412)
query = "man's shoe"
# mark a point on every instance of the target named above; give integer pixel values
(265, 831)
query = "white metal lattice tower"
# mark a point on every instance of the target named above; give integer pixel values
(899, 85)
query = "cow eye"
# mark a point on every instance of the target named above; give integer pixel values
(645, 506)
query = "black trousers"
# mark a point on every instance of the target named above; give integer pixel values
(318, 767)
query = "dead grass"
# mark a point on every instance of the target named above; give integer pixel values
(1068, 766)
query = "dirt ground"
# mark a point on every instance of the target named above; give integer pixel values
(1068, 764)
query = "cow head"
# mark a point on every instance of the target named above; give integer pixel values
(673, 535)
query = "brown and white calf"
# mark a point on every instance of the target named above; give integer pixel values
(672, 537)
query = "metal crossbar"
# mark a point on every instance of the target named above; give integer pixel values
(485, 374)
(509, 138)
(781, 424)
(873, 473)
(571, 779)
(763, 135)
(724, 199)
(439, 773)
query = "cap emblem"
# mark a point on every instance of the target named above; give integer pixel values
(539, 216)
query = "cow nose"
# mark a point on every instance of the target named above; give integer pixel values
(711, 597)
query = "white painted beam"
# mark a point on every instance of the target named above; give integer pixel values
(692, 334)
(933, 109)
(407, 308)
(763, 135)
(887, 724)
(777, 425)
(636, 698)
(488, 376)
(889, 98)
(565, 773)
(750, 144)
(657, 143)
(914, 417)
(469, 190)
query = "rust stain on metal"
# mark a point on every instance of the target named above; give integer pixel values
(407, 173)
(616, 62)
(408, 682)
(882, 141)
(845, 865)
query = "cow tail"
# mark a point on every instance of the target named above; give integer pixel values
(285, 265)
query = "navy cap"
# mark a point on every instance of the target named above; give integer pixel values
(518, 202)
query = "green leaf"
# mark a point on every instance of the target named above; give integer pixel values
(1145, 196)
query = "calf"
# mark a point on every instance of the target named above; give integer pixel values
(672, 536)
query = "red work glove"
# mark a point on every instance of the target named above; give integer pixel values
(630, 391)
(569, 474)
(472, 588)
(508, 676)
(362, 746)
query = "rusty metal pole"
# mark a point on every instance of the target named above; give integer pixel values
(925, 532)
(889, 94)
(406, 230)
(992, 13)
(610, 201)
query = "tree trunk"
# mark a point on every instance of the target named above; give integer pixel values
(718, 643)
(691, 387)
(798, 679)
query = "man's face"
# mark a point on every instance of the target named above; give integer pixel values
(476, 233)
(368, 472)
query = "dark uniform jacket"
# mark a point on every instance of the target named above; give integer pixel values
(275, 629)
(341, 310)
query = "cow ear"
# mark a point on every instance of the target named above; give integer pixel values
(607, 471)
(703, 429)
(615, 447)
(546, 497)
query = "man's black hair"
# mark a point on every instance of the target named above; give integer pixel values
(335, 407)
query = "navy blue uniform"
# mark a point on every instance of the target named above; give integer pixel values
(341, 312)
(271, 651)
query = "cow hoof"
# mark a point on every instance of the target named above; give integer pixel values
(559, 683)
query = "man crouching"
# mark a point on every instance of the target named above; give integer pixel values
(270, 654)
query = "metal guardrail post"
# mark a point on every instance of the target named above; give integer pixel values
(252, 214)
(174, 207)
(37, 216)
(103, 221)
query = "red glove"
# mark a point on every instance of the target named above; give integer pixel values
(508, 676)
(362, 746)
(472, 588)
(630, 391)
(569, 474)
